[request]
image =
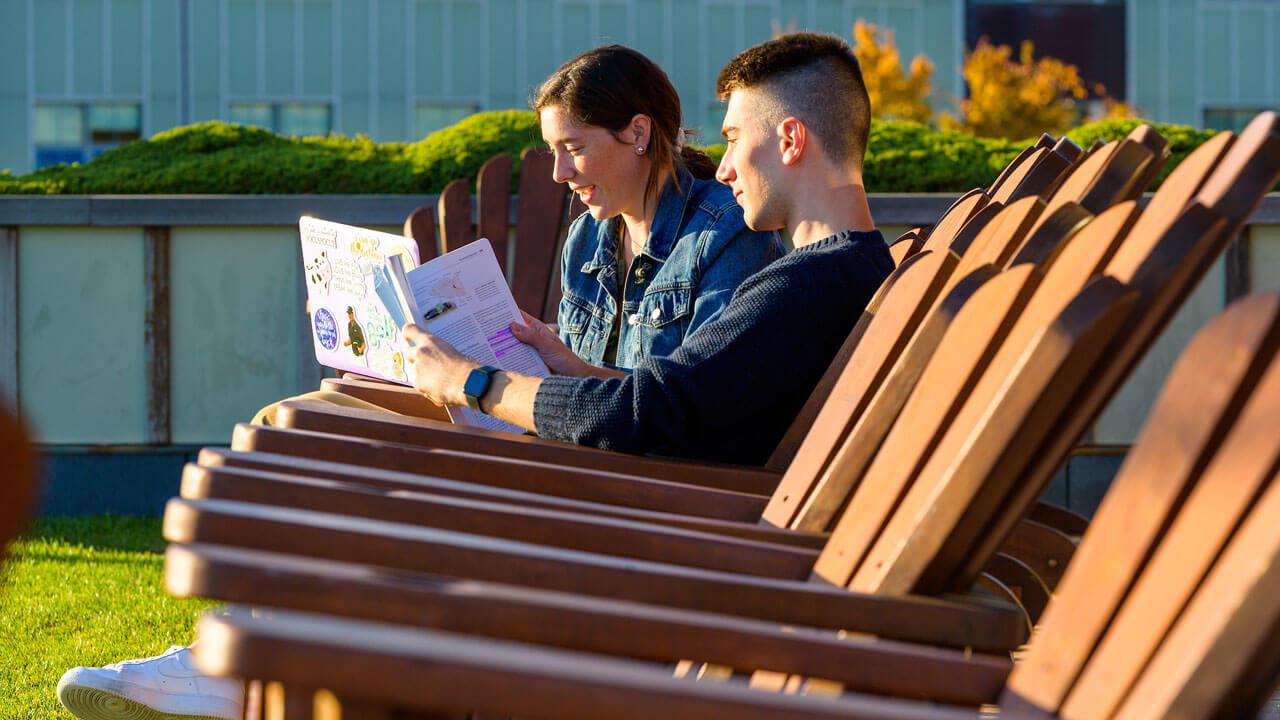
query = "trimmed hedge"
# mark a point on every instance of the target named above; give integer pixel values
(217, 158)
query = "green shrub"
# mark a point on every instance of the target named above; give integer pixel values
(218, 158)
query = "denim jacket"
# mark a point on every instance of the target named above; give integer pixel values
(697, 252)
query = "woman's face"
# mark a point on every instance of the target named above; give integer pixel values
(601, 166)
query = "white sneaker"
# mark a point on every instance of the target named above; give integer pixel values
(164, 687)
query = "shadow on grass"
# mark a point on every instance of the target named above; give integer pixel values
(107, 532)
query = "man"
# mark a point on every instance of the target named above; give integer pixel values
(796, 127)
(355, 336)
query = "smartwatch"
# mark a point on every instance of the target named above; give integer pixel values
(476, 385)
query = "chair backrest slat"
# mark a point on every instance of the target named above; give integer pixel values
(421, 226)
(1002, 420)
(997, 241)
(1188, 422)
(1244, 464)
(949, 225)
(1159, 240)
(541, 210)
(455, 215)
(17, 489)
(965, 349)
(827, 489)
(493, 201)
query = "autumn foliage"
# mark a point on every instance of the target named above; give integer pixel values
(1016, 98)
(895, 95)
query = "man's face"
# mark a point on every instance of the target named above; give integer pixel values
(752, 165)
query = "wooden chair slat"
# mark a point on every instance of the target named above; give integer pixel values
(455, 216)
(417, 482)
(845, 471)
(541, 209)
(948, 226)
(905, 247)
(493, 201)
(551, 479)
(426, 550)
(964, 350)
(436, 671)
(1123, 177)
(1040, 181)
(396, 398)
(991, 439)
(1042, 243)
(1187, 423)
(1068, 522)
(1068, 149)
(421, 226)
(1044, 549)
(419, 432)
(577, 622)
(1243, 465)
(1013, 165)
(544, 526)
(1010, 181)
(872, 358)
(1158, 145)
(973, 227)
(1160, 240)
(997, 241)
(1031, 592)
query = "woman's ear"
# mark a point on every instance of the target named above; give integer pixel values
(639, 130)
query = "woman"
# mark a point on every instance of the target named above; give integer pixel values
(658, 253)
(662, 245)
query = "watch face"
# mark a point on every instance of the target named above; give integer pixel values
(477, 382)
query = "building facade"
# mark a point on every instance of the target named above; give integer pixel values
(80, 76)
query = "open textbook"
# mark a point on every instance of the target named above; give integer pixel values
(460, 296)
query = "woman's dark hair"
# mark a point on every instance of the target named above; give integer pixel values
(608, 86)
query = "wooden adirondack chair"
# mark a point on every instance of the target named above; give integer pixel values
(250, 438)
(1087, 271)
(1168, 610)
(997, 541)
(540, 215)
(1106, 176)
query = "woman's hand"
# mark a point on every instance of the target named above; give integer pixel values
(558, 357)
(437, 369)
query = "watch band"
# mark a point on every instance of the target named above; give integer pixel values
(476, 385)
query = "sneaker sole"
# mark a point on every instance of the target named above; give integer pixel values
(93, 704)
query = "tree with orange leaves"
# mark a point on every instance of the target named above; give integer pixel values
(894, 94)
(1016, 99)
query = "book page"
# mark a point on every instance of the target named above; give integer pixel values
(463, 298)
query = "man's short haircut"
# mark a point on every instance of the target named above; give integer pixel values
(814, 77)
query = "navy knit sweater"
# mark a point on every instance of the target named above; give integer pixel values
(735, 385)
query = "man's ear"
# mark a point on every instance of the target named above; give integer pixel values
(793, 137)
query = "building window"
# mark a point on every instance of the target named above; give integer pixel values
(80, 132)
(430, 117)
(1233, 119)
(296, 119)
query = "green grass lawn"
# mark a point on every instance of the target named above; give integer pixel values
(82, 591)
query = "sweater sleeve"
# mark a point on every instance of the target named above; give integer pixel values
(736, 382)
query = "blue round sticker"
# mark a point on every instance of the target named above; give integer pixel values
(326, 329)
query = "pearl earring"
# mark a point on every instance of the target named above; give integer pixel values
(639, 149)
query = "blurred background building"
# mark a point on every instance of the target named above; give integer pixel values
(80, 76)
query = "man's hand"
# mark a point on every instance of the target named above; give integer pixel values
(437, 369)
(558, 357)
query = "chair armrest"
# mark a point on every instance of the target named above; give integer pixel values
(500, 471)
(426, 550)
(575, 622)
(322, 417)
(397, 398)
(391, 480)
(543, 526)
(398, 667)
